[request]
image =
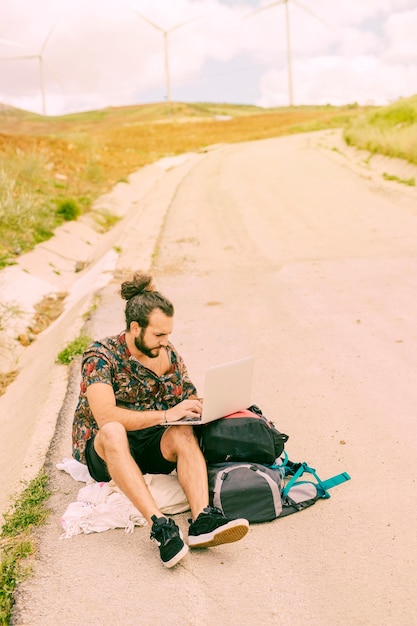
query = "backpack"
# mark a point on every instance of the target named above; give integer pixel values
(243, 436)
(260, 493)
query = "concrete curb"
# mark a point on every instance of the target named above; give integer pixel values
(31, 404)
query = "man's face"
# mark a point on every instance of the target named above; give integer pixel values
(156, 335)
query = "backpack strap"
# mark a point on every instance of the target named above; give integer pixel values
(296, 470)
(335, 480)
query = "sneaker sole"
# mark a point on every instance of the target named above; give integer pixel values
(177, 557)
(230, 532)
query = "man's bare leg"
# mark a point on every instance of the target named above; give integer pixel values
(179, 445)
(112, 446)
(210, 527)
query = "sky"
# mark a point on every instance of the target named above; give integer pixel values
(65, 56)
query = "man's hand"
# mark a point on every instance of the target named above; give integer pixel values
(186, 408)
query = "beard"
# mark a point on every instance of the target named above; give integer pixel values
(144, 348)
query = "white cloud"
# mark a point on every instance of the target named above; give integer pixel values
(356, 42)
(338, 80)
(401, 28)
(105, 54)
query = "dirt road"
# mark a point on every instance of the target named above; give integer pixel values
(288, 250)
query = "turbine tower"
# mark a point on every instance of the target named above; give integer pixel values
(42, 64)
(165, 34)
(287, 28)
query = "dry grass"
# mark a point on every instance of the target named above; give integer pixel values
(391, 130)
(46, 311)
(76, 158)
(6, 379)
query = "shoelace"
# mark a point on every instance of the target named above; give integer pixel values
(216, 511)
(163, 532)
(208, 510)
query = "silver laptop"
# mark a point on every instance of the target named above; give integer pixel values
(227, 389)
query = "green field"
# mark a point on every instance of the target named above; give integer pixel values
(390, 130)
(53, 168)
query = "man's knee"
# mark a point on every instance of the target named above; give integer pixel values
(111, 436)
(177, 440)
(184, 435)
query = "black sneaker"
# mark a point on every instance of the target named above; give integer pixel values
(168, 536)
(212, 528)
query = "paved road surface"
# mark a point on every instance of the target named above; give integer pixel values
(280, 249)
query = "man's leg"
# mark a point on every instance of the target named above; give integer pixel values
(209, 527)
(179, 445)
(111, 444)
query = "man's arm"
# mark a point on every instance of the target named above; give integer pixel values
(102, 403)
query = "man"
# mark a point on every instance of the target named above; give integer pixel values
(133, 385)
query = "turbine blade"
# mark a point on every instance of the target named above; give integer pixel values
(149, 21)
(183, 24)
(7, 42)
(47, 38)
(24, 57)
(307, 10)
(268, 6)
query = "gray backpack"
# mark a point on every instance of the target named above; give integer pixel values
(261, 493)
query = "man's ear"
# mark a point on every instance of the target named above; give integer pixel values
(134, 327)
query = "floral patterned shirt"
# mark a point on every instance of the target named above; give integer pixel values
(135, 387)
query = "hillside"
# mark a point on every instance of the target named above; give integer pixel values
(390, 130)
(52, 168)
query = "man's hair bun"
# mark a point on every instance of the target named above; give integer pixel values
(141, 282)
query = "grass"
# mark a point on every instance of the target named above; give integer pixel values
(405, 181)
(68, 209)
(73, 349)
(52, 169)
(105, 220)
(46, 311)
(17, 541)
(7, 313)
(24, 217)
(6, 379)
(390, 130)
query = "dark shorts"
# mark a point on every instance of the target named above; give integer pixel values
(145, 447)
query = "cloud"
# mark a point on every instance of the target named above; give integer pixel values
(401, 29)
(356, 42)
(338, 80)
(101, 52)
(372, 59)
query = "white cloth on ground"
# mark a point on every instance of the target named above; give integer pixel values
(102, 506)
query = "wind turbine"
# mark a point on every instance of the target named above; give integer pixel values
(41, 61)
(287, 23)
(7, 42)
(166, 50)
